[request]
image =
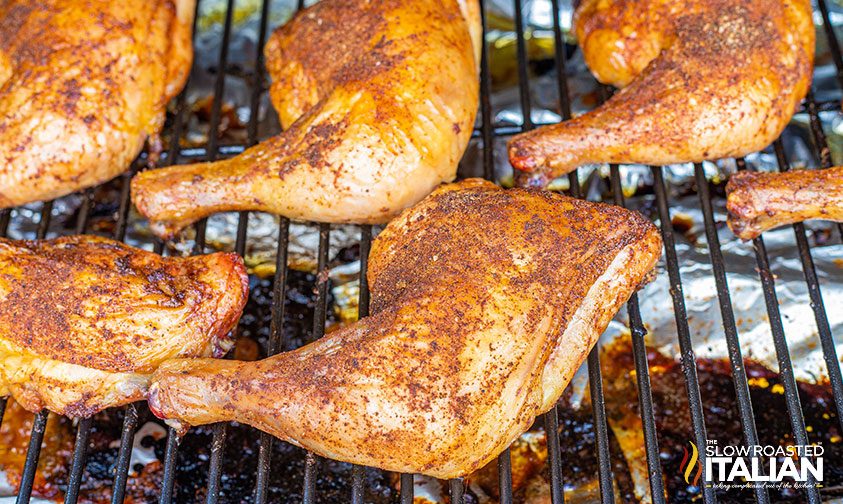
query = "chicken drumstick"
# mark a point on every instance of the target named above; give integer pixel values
(379, 98)
(85, 320)
(702, 79)
(484, 304)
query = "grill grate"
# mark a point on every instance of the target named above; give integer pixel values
(487, 133)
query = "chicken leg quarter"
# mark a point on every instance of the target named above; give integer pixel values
(484, 304)
(84, 321)
(701, 79)
(379, 98)
(83, 83)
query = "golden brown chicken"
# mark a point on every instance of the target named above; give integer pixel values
(379, 99)
(702, 79)
(85, 320)
(760, 201)
(484, 304)
(83, 83)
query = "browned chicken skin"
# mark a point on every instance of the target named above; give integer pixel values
(760, 201)
(702, 79)
(379, 98)
(83, 83)
(484, 304)
(85, 320)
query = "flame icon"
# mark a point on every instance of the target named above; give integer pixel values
(689, 461)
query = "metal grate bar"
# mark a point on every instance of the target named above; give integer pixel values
(84, 211)
(561, 60)
(642, 374)
(276, 344)
(44, 222)
(817, 304)
(505, 477)
(523, 69)
(80, 457)
(319, 317)
(686, 348)
(729, 326)
(833, 44)
(170, 458)
(124, 456)
(407, 489)
(554, 456)
(820, 142)
(598, 410)
(357, 484)
(219, 429)
(791, 392)
(456, 489)
(487, 124)
(357, 472)
(39, 424)
(5, 216)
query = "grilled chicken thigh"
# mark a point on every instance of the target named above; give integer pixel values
(760, 201)
(83, 83)
(379, 98)
(484, 304)
(84, 320)
(702, 79)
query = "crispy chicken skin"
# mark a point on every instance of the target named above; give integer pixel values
(484, 304)
(701, 79)
(83, 83)
(84, 320)
(378, 100)
(759, 201)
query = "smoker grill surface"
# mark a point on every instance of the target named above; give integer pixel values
(314, 480)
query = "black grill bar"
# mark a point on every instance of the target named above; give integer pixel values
(833, 43)
(219, 429)
(523, 69)
(686, 348)
(44, 223)
(505, 477)
(642, 373)
(729, 325)
(84, 210)
(5, 216)
(791, 392)
(170, 458)
(820, 142)
(407, 489)
(357, 472)
(319, 317)
(124, 456)
(276, 344)
(457, 490)
(80, 457)
(39, 424)
(487, 121)
(817, 303)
